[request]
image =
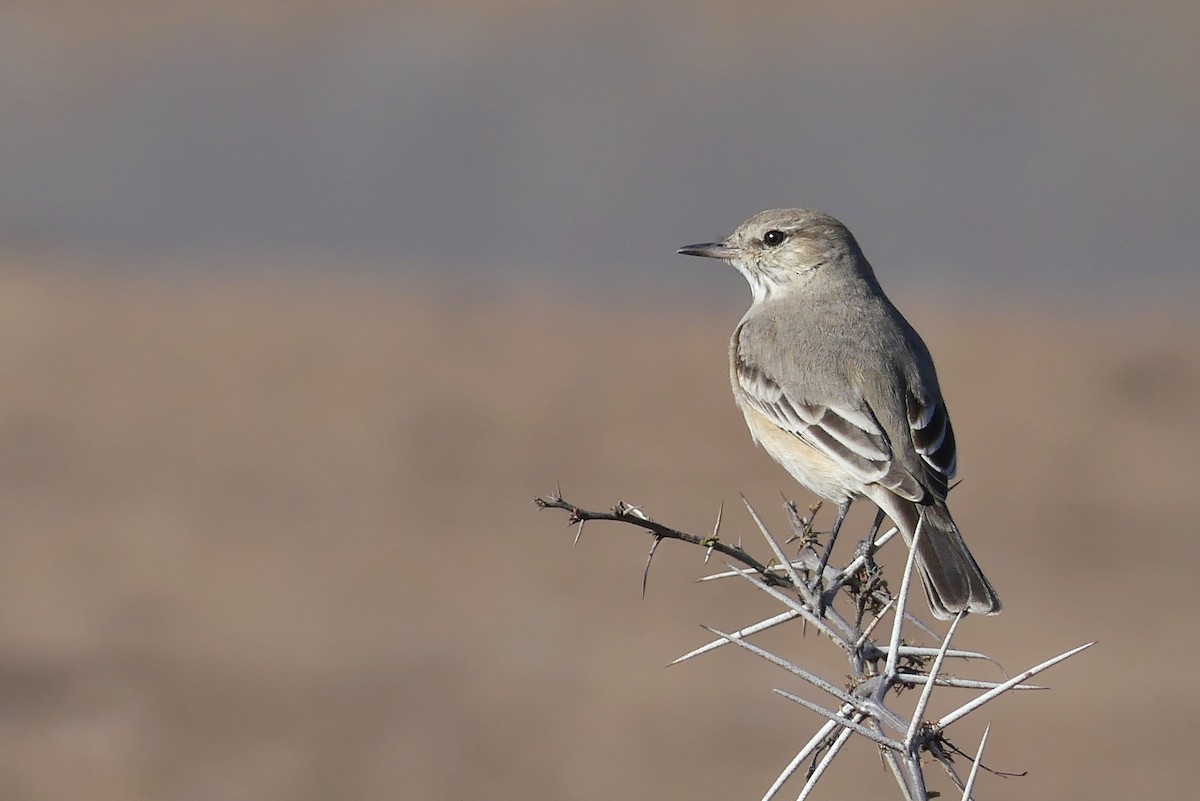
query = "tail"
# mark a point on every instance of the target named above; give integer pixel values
(952, 578)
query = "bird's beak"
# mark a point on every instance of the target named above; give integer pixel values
(710, 250)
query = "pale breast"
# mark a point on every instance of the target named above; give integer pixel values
(806, 464)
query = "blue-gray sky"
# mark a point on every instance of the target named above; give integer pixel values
(1017, 145)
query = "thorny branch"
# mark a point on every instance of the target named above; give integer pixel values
(625, 513)
(881, 666)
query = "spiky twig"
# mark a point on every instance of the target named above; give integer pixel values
(808, 590)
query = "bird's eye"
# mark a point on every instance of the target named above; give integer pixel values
(773, 237)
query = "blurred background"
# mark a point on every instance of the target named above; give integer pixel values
(301, 302)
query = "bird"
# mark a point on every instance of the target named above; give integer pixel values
(840, 390)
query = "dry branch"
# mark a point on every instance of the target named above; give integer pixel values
(810, 590)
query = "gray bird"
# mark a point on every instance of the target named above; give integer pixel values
(840, 390)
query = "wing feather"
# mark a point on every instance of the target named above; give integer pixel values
(850, 436)
(849, 432)
(933, 435)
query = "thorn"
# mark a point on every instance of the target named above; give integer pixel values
(579, 531)
(649, 559)
(623, 509)
(716, 533)
(970, 785)
(799, 585)
(901, 601)
(1002, 688)
(858, 644)
(915, 726)
(842, 720)
(761, 625)
(557, 491)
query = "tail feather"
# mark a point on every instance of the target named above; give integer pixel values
(952, 578)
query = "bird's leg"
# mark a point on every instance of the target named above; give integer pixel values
(865, 549)
(870, 541)
(822, 602)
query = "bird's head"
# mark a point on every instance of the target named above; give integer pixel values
(781, 249)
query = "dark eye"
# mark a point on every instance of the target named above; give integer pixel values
(772, 238)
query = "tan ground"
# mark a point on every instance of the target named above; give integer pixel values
(272, 540)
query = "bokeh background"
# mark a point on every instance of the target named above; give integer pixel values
(301, 302)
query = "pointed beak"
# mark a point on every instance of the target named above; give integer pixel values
(710, 250)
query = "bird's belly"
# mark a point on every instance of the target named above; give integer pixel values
(806, 464)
